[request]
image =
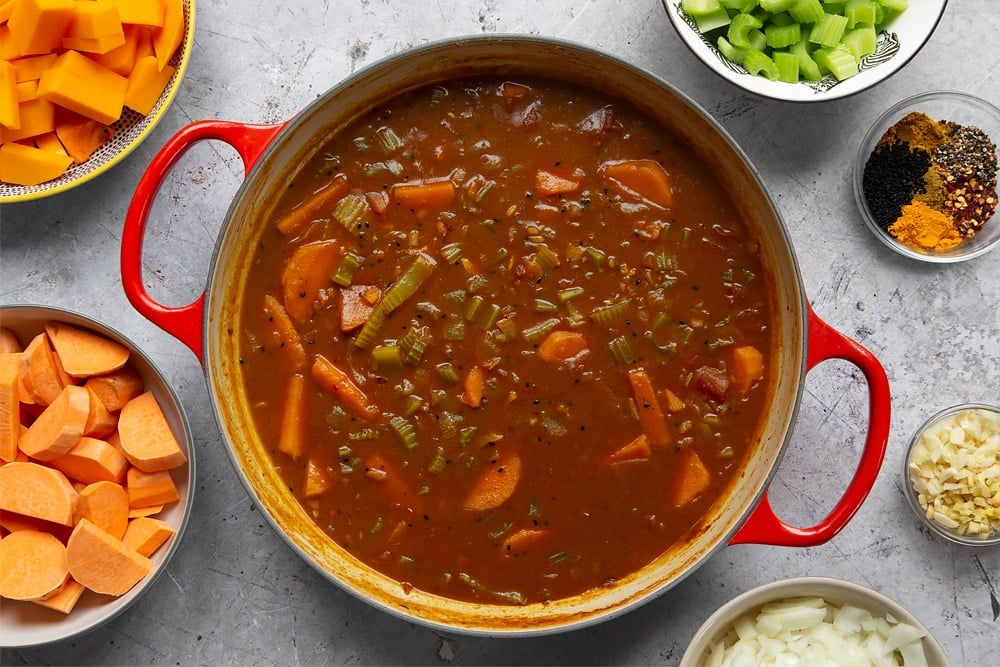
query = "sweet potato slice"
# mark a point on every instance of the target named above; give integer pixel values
(146, 534)
(38, 491)
(136, 512)
(146, 438)
(308, 271)
(636, 450)
(106, 504)
(117, 388)
(495, 486)
(100, 422)
(561, 345)
(10, 405)
(654, 423)
(32, 565)
(92, 460)
(65, 599)
(425, 195)
(9, 342)
(102, 563)
(646, 179)
(84, 353)
(39, 371)
(473, 387)
(747, 367)
(316, 206)
(356, 306)
(150, 488)
(286, 335)
(291, 441)
(339, 383)
(316, 480)
(59, 426)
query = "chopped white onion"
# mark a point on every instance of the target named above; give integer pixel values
(797, 633)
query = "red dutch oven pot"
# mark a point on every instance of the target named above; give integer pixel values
(271, 155)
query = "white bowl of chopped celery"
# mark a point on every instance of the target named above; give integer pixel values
(812, 621)
(805, 50)
(950, 474)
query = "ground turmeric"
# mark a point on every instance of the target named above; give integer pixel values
(922, 227)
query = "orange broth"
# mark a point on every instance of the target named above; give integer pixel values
(488, 263)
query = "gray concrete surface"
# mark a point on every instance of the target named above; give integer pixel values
(236, 594)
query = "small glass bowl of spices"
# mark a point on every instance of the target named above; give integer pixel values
(925, 179)
(951, 474)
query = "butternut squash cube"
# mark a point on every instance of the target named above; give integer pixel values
(7, 50)
(95, 19)
(81, 137)
(31, 68)
(26, 165)
(27, 90)
(38, 116)
(121, 59)
(50, 142)
(94, 44)
(169, 36)
(84, 86)
(9, 110)
(38, 26)
(145, 84)
(141, 12)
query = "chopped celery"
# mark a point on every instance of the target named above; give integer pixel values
(807, 11)
(609, 313)
(439, 462)
(344, 273)
(402, 289)
(351, 212)
(758, 62)
(543, 306)
(739, 30)
(412, 345)
(838, 60)
(890, 10)
(451, 253)
(707, 14)
(781, 19)
(388, 139)
(788, 66)
(490, 316)
(807, 66)
(570, 293)
(731, 52)
(472, 309)
(777, 5)
(621, 351)
(861, 42)
(454, 330)
(447, 372)
(387, 357)
(404, 429)
(743, 6)
(828, 30)
(778, 37)
(535, 332)
(757, 39)
(859, 11)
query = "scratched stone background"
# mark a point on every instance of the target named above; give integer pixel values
(235, 594)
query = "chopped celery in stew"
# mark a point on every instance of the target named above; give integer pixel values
(508, 341)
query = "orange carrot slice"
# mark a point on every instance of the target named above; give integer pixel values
(291, 440)
(426, 195)
(561, 345)
(340, 384)
(146, 437)
(37, 491)
(308, 271)
(316, 206)
(473, 387)
(59, 426)
(32, 565)
(285, 334)
(654, 424)
(747, 367)
(548, 183)
(643, 178)
(636, 450)
(495, 486)
(102, 563)
(84, 353)
(106, 504)
(694, 479)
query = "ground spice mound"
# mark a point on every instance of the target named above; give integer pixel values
(931, 184)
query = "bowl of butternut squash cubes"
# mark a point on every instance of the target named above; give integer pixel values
(805, 50)
(82, 83)
(96, 468)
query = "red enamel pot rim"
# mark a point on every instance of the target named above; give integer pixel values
(272, 153)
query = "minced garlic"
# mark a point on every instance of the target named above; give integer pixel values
(955, 470)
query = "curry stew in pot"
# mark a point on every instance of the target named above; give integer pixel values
(507, 339)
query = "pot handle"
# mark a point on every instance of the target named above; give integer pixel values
(763, 526)
(183, 322)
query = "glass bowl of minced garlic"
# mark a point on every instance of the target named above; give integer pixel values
(925, 178)
(952, 474)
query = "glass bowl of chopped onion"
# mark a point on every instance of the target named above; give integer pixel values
(812, 621)
(925, 177)
(952, 474)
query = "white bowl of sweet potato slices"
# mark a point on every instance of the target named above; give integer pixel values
(96, 471)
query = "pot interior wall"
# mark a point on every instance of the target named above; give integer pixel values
(307, 133)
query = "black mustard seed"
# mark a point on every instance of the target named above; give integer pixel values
(893, 175)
